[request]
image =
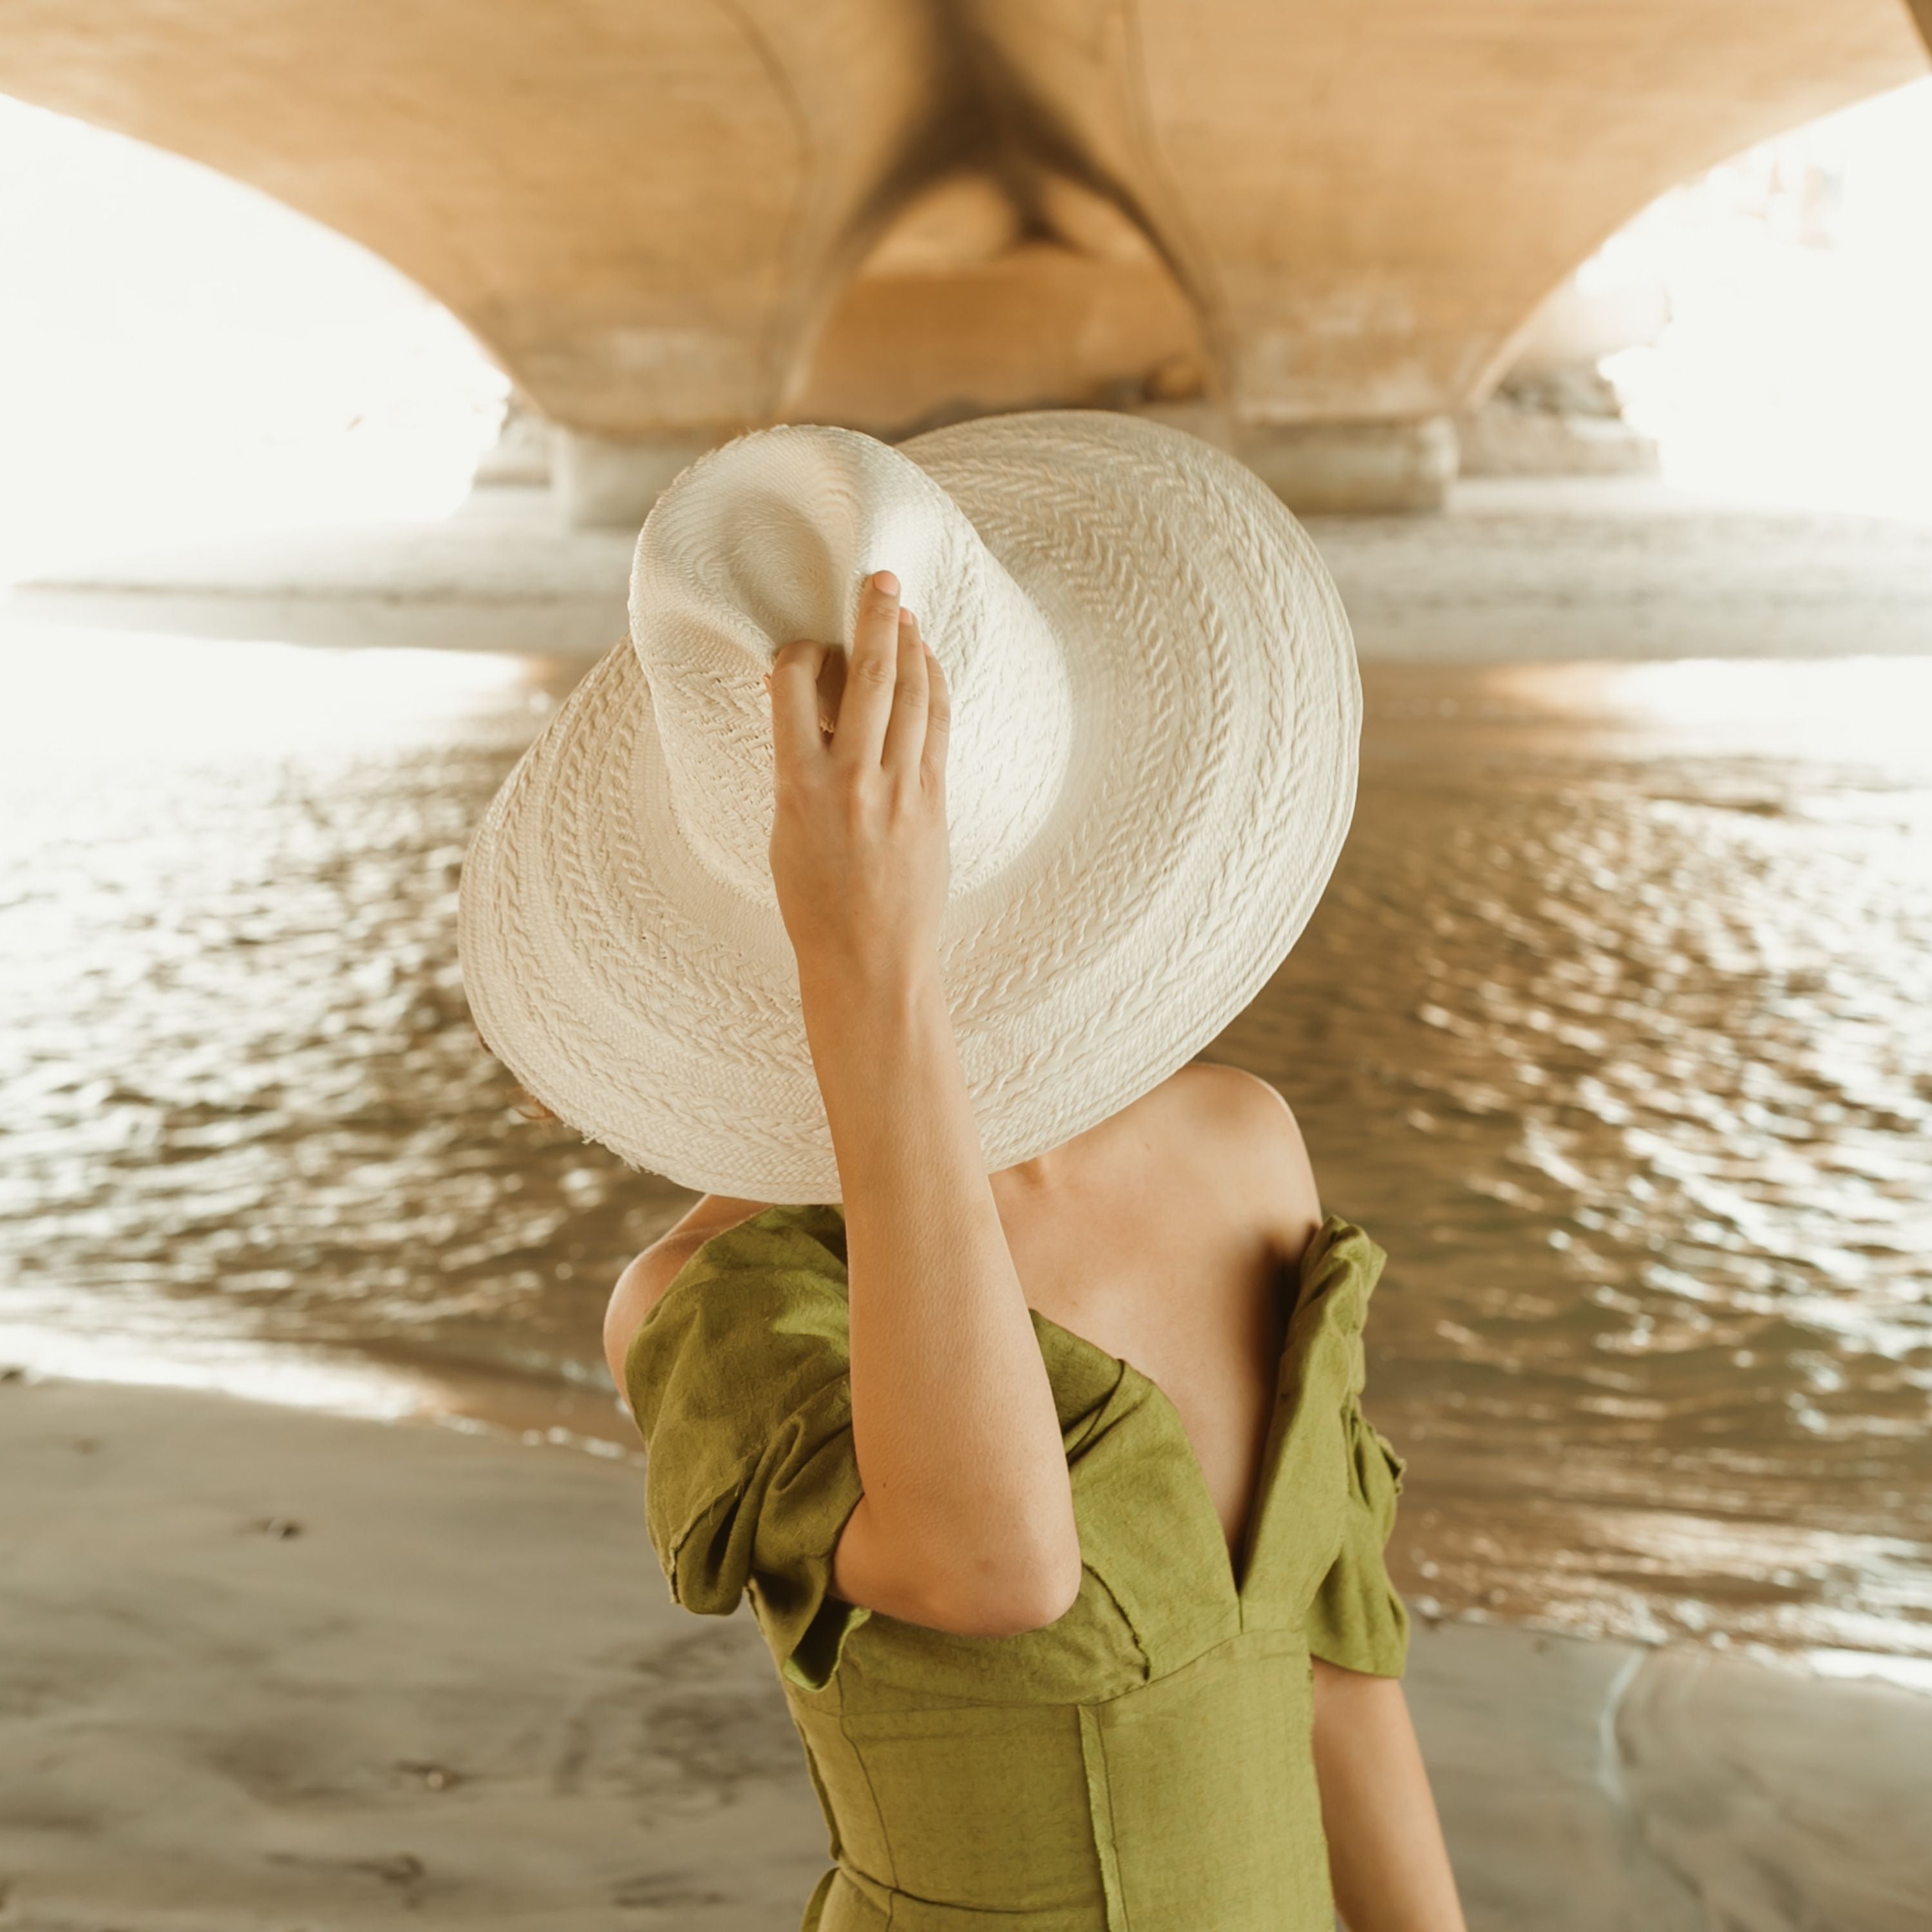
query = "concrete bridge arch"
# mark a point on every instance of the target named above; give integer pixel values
(670, 219)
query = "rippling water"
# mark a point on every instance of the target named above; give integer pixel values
(1615, 1028)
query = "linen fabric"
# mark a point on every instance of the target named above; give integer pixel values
(1142, 1764)
(1150, 771)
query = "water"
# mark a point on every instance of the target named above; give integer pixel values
(1618, 1025)
(1615, 1028)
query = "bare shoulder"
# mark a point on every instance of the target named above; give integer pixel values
(1237, 1128)
(642, 1284)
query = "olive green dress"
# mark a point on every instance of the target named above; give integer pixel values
(1143, 1764)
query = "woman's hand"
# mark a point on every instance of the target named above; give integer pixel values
(966, 1523)
(858, 850)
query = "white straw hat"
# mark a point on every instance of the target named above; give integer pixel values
(1151, 770)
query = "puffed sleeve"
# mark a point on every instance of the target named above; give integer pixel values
(1357, 1619)
(738, 1378)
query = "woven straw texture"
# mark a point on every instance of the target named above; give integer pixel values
(1151, 773)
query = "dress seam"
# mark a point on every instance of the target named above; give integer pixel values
(1295, 1633)
(1100, 1794)
(878, 1814)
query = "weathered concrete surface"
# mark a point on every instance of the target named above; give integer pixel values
(1554, 413)
(971, 303)
(1340, 469)
(1552, 421)
(521, 457)
(266, 1669)
(1522, 570)
(642, 209)
(605, 483)
(1366, 202)
(653, 213)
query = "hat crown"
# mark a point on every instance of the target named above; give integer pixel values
(771, 538)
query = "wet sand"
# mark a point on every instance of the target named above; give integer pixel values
(267, 1670)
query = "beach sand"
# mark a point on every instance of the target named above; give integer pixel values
(271, 1669)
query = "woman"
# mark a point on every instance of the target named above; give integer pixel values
(1039, 1451)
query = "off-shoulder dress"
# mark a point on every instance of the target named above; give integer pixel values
(1142, 1764)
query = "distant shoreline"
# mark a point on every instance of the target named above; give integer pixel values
(1536, 570)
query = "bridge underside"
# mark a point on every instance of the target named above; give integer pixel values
(667, 221)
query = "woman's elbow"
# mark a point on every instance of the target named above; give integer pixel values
(1005, 1591)
(1012, 1611)
(1024, 1604)
(1002, 1597)
(1023, 1590)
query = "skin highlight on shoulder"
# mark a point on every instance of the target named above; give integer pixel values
(1237, 1127)
(642, 1284)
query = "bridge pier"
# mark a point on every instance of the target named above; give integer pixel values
(602, 482)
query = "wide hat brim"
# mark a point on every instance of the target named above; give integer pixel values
(1217, 711)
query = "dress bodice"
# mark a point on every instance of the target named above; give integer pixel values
(1142, 1762)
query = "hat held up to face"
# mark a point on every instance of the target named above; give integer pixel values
(770, 538)
(1149, 773)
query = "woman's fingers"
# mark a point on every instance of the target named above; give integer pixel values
(880, 704)
(905, 732)
(866, 705)
(858, 849)
(797, 742)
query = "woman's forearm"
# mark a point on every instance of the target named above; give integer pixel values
(966, 1517)
(1386, 1854)
(954, 1427)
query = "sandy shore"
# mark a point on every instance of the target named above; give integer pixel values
(285, 1672)
(270, 1670)
(1545, 569)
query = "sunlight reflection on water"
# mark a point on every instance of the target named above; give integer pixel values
(1619, 1016)
(1615, 1029)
